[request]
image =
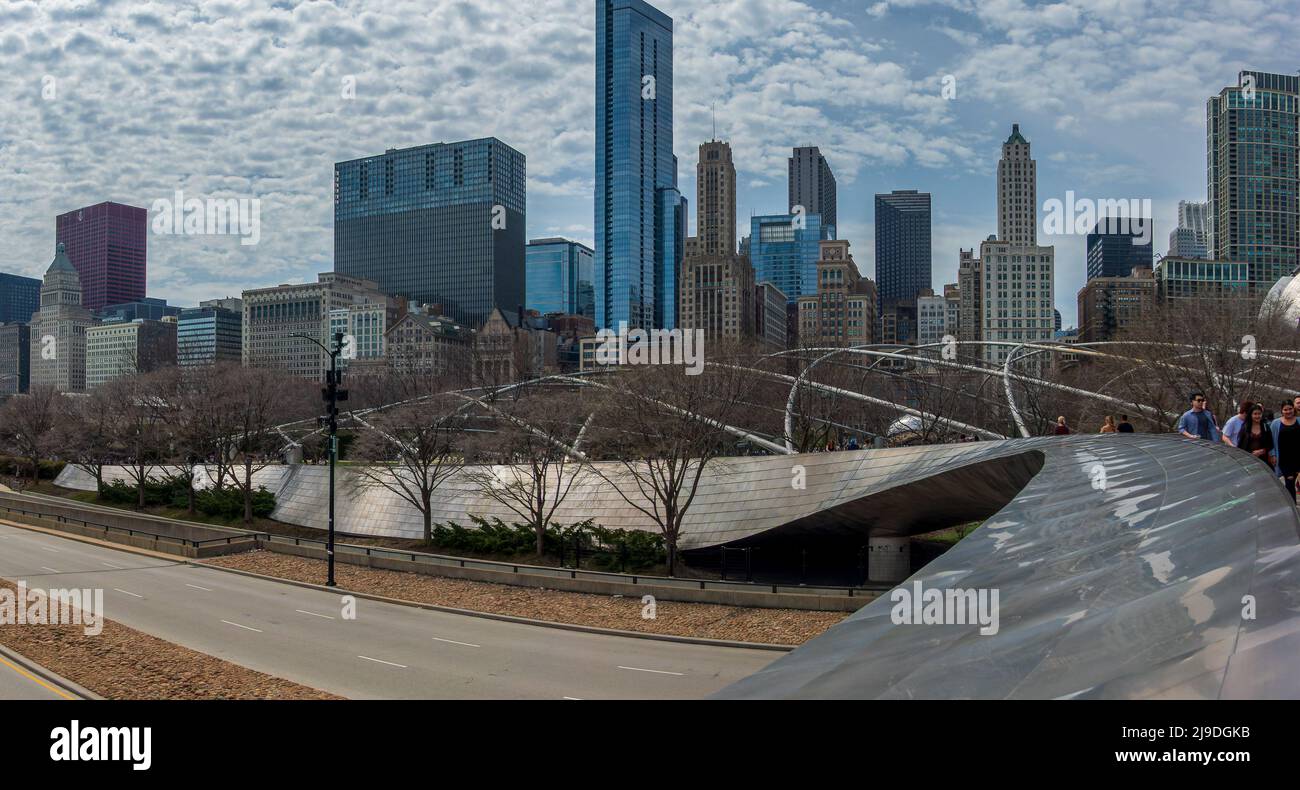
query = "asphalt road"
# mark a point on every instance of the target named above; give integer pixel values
(388, 652)
(18, 683)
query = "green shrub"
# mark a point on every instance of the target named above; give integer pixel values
(22, 467)
(605, 549)
(227, 503)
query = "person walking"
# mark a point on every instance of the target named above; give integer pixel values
(1197, 422)
(1109, 425)
(1286, 447)
(1061, 428)
(1233, 426)
(1256, 436)
(1124, 425)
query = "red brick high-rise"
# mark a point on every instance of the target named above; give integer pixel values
(107, 244)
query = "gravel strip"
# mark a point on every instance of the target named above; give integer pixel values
(708, 621)
(122, 663)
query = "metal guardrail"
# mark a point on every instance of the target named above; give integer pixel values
(109, 528)
(461, 562)
(575, 573)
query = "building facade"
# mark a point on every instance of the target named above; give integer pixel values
(902, 246)
(147, 309)
(717, 285)
(15, 358)
(1017, 192)
(442, 223)
(108, 245)
(812, 185)
(210, 333)
(1115, 248)
(561, 277)
(427, 343)
(931, 318)
(1110, 306)
(784, 250)
(771, 316)
(272, 316)
(1189, 280)
(20, 298)
(1253, 158)
(1191, 239)
(970, 282)
(125, 348)
(843, 311)
(58, 331)
(639, 212)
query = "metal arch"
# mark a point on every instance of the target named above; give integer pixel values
(1011, 398)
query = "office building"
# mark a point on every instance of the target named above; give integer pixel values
(1017, 192)
(640, 216)
(784, 250)
(441, 223)
(842, 312)
(15, 358)
(147, 309)
(1111, 306)
(812, 185)
(561, 277)
(931, 318)
(1116, 247)
(952, 309)
(58, 330)
(210, 333)
(717, 284)
(20, 298)
(125, 348)
(108, 245)
(422, 341)
(970, 283)
(272, 316)
(1186, 281)
(902, 246)
(1253, 153)
(1191, 239)
(771, 316)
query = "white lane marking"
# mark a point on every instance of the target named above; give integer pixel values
(51, 570)
(313, 614)
(237, 625)
(111, 565)
(454, 642)
(47, 548)
(575, 698)
(195, 586)
(389, 663)
(655, 671)
(127, 592)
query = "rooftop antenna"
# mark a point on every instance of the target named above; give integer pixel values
(715, 121)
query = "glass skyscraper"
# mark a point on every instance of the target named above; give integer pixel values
(639, 213)
(20, 297)
(438, 224)
(1115, 247)
(902, 245)
(1253, 153)
(786, 255)
(560, 277)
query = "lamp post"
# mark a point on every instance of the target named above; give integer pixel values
(331, 394)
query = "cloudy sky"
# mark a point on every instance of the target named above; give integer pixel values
(131, 101)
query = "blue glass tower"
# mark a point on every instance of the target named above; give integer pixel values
(902, 246)
(639, 212)
(439, 224)
(560, 277)
(19, 298)
(785, 254)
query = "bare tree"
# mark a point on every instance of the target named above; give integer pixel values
(664, 428)
(137, 427)
(412, 447)
(258, 401)
(27, 425)
(528, 464)
(85, 434)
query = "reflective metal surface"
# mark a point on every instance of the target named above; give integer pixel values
(1129, 567)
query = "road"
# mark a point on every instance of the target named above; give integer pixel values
(18, 683)
(388, 651)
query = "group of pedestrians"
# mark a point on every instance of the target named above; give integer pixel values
(1108, 426)
(1254, 429)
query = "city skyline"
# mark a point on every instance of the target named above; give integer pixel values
(823, 74)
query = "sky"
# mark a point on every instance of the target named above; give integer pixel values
(131, 101)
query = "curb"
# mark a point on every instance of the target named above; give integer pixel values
(27, 665)
(590, 629)
(508, 618)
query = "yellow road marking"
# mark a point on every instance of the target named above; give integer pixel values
(35, 679)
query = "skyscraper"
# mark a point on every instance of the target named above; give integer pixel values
(902, 246)
(639, 213)
(58, 331)
(1017, 299)
(784, 250)
(1115, 248)
(715, 199)
(210, 333)
(108, 245)
(717, 285)
(812, 185)
(1191, 239)
(1017, 192)
(560, 277)
(1253, 153)
(437, 224)
(20, 298)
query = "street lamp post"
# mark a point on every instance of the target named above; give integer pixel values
(331, 394)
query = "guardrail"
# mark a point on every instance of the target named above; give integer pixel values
(577, 573)
(130, 532)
